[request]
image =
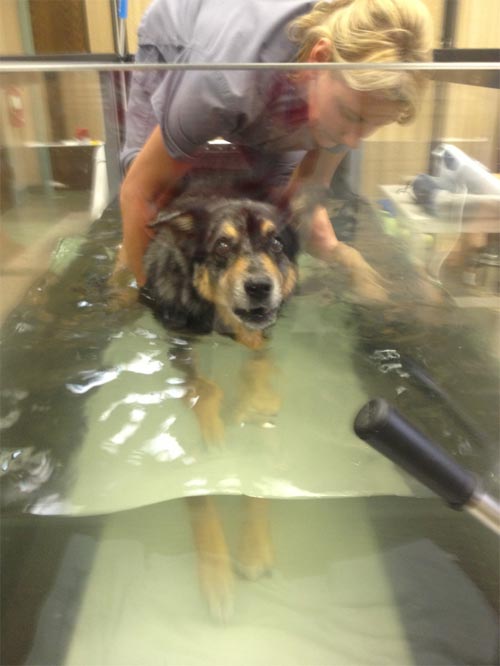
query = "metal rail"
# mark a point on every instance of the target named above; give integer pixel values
(13, 66)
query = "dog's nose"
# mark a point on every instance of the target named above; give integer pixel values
(258, 289)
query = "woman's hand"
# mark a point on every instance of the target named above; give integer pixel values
(322, 243)
(366, 282)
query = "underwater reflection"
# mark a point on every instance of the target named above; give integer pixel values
(163, 448)
(142, 364)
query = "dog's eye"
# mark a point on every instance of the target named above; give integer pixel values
(222, 247)
(276, 246)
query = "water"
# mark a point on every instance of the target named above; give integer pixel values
(356, 581)
(98, 444)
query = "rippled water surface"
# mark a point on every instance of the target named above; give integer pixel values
(97, 422)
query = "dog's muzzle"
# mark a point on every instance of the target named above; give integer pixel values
(259, 302)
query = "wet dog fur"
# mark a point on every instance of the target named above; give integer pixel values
(222, 262)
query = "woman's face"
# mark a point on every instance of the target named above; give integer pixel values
(339, 114)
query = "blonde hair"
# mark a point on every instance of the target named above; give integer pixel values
(372, 31)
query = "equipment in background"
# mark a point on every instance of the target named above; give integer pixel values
(457, 175)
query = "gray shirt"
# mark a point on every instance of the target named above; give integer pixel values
(261, 111)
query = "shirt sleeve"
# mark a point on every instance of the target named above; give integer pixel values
(193, 107)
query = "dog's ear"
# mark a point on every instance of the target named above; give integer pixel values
(177, 220)
(187, 219)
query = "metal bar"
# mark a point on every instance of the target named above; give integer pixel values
(466, 55)
(486, 509)
(114, 21)
(122, 11)
(454, 55)
(119, 11)
(110, 103)
(74, 57)
(23, 12)
(449, 23)
(439, 55)
(51, 66)
(388, 432)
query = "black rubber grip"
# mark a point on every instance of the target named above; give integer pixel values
(388, 432)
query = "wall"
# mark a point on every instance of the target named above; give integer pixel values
(136, 9)
(100, 26)
(10, 29)
(478, 24)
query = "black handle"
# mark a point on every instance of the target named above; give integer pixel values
(388, 432)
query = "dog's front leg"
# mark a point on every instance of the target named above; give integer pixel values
(255, 556)
(214, 563)
(205, 399)
(203, 396)
(258, 399)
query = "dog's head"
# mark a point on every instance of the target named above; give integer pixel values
(240, 259)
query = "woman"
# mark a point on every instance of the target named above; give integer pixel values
(293, 128)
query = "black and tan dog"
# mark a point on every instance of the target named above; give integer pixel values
(226, 264)
(220, 263)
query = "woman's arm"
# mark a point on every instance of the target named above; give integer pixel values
(146, 188)
(317, 168)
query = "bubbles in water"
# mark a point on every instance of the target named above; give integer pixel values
(464, 447)
(9, 419)
(23, 471)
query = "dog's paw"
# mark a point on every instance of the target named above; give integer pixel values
(255, 560)
(217, 586)
(255, 567)
(258, 408)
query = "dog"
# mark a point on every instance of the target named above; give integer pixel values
(227, 263)
(223, 261)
